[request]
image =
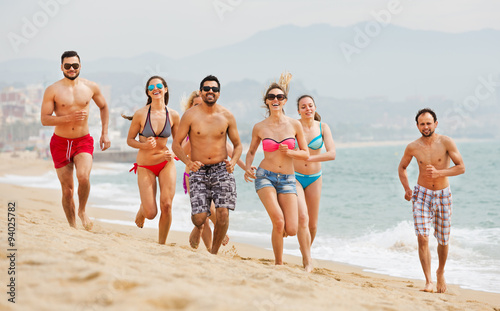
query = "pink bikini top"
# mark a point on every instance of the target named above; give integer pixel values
(270, 145)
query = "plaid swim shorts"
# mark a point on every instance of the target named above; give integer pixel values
(211, 183)
(432, 206)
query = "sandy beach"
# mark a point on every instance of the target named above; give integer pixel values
(116, 267)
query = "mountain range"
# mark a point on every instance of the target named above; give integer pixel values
(371, 70)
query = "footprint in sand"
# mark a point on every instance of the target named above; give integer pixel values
(85, 278)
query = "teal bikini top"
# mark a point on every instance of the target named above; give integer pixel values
(317, 142)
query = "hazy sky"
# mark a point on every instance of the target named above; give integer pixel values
(46, 28)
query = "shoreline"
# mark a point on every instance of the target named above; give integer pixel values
(86, 258)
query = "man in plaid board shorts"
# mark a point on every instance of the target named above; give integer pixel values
(431, 198)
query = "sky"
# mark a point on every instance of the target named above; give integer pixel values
(99, 29)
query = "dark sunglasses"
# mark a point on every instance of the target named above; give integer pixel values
(67, 66)
(280, 97)
(207, 88)
(152, 86)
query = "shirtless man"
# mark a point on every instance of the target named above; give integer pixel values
(211, 174)
(66, 106)
(431, 198)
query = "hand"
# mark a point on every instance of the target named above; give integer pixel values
(78, 116)
(104, 142)
(150, 143)
(432, 172)
(194, 166)
(229, 166)
(408, 194)
(169, 155)
(249, 174)
(284, 149)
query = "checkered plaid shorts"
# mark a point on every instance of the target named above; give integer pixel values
(432, 207)
(211, 183)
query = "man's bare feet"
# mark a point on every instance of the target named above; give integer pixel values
(441, 283)
(86, 222)
(225, 240)
(139, 218)
(429, 288)
(194, 237)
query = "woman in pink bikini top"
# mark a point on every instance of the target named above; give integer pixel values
(275, 181)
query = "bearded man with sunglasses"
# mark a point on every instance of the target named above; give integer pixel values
(211, 173)
(65, 106)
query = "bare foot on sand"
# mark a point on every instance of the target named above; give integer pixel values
(429, 288)
(441, 283)
(86, 222)
(308, 267)
(139, 218)
(194, 237)
(225, 240)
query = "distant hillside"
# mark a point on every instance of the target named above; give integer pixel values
(374, 95)
(396, 62)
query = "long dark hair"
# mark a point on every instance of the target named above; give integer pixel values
(164, 85)
(317, 117)
(149, 97)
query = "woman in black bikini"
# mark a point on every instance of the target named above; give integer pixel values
(154, 123)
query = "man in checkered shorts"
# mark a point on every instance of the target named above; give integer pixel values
(208, 126)
(431, 197)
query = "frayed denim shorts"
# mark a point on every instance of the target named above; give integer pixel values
(283, 183)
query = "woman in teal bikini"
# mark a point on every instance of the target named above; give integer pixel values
(154, 123)
(308, 172)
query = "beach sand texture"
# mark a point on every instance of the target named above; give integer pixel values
(117, 267)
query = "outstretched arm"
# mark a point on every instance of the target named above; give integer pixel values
(254, 144)
(403, 174)
(234, 136)
(330, 153)
(100, 101)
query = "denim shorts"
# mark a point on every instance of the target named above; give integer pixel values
(283, 183)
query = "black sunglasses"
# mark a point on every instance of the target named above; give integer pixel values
(67, 66)
(207, 88)
(280, 97)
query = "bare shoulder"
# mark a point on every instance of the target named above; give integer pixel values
(90, 84)
(172, 112)
(296, 123)
(446, 141)
(413, 146)
(228, 114)
(141, 113)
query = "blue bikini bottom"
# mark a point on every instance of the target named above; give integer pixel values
(306, 180)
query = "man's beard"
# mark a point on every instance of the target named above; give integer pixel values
(71, 78)
(428, 135)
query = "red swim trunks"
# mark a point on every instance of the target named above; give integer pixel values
(64, 149)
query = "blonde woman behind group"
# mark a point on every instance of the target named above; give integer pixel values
(308, 172)
(275, 178)
(194, 99)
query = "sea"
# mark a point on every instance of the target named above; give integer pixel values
(364, 219)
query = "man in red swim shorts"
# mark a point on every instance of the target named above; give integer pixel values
(66, 107)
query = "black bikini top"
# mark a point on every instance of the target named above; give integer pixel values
(148, 128)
